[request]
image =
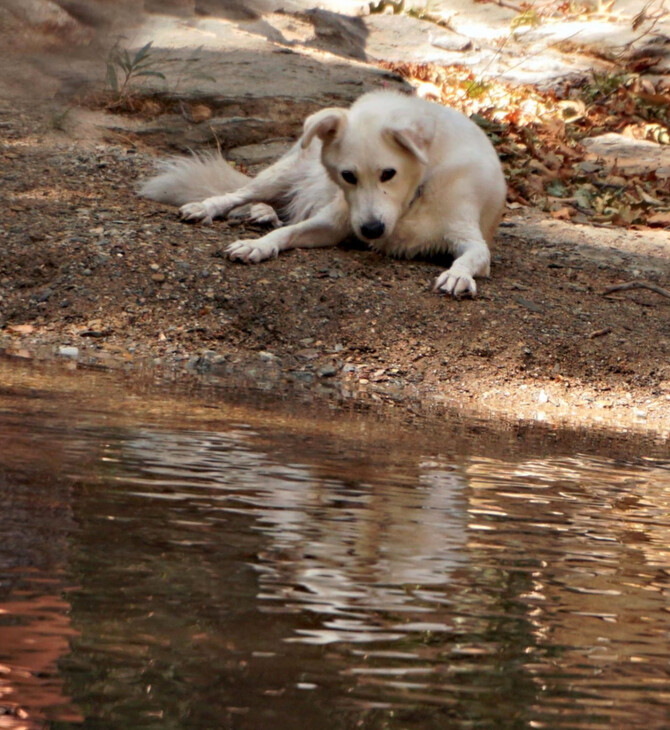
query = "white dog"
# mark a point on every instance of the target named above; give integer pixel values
(404, 175)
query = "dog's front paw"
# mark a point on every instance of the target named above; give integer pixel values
(197, 213)
(456, 283)
(251, 252)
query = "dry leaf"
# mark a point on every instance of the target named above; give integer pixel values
(562, 214)
(659, 219)
(200, 113)
(20, 329)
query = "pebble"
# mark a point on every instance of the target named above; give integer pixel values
(68, 351)
(327, 371)
(308, 354)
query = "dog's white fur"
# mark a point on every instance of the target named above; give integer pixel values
(446, 191)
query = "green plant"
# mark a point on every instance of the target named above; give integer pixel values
(474, 88)
(429, 10)
(603, 84)
(123, 69)
(59, 120)
(397, 6)
(528, 17)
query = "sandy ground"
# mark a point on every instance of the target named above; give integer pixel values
(94, 277)
(93, 274)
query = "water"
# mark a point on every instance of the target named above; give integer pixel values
(274, 571)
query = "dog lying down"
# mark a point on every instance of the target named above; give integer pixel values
(406, 176)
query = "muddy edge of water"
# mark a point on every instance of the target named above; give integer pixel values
(63, 392)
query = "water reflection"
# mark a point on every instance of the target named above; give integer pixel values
(334, 544)
(34, 623)
(241, 577)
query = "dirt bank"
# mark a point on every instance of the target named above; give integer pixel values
(94, 276)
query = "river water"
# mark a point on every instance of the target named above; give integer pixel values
(259, 568)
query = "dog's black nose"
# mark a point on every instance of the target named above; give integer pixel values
(374, 229)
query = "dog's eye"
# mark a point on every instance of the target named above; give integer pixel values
(349, 177)
(387, 174)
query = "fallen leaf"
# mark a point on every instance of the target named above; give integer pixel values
(562, 214)
(23, 354)
(20, 329)
(200, 113)
(653, 98)
(661, 220)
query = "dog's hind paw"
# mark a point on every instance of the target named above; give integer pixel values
(251, 252)
(260, 214)
(264, 215)
(197, 213)
(456, 283)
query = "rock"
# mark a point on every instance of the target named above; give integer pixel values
(327, 371)
(338, 33)
(68, 351)
(630, 155)
(301, 376)
(200, 363)
(44, 295)
(262, 153)
(47, 17)
(452, 42)
(528, 304)
(252, 9)
(307, 354)
(84, 12)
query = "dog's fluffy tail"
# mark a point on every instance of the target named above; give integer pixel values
(188, 179)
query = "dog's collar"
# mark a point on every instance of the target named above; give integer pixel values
(417, 194)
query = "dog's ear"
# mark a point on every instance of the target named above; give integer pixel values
(326, 125)
(414, 136)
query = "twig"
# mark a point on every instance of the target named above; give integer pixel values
(599, 333)
(638, 285)
(527, 57)
(512, 6)
(642, 17)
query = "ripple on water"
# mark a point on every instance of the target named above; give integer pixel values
(150, 573)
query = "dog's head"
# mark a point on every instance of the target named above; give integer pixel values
(378, 163)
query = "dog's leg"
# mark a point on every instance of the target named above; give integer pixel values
(327, 228)
(471, 258)
(269, 185)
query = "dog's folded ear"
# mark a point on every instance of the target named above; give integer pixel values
(414, 136)
(326, 125)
